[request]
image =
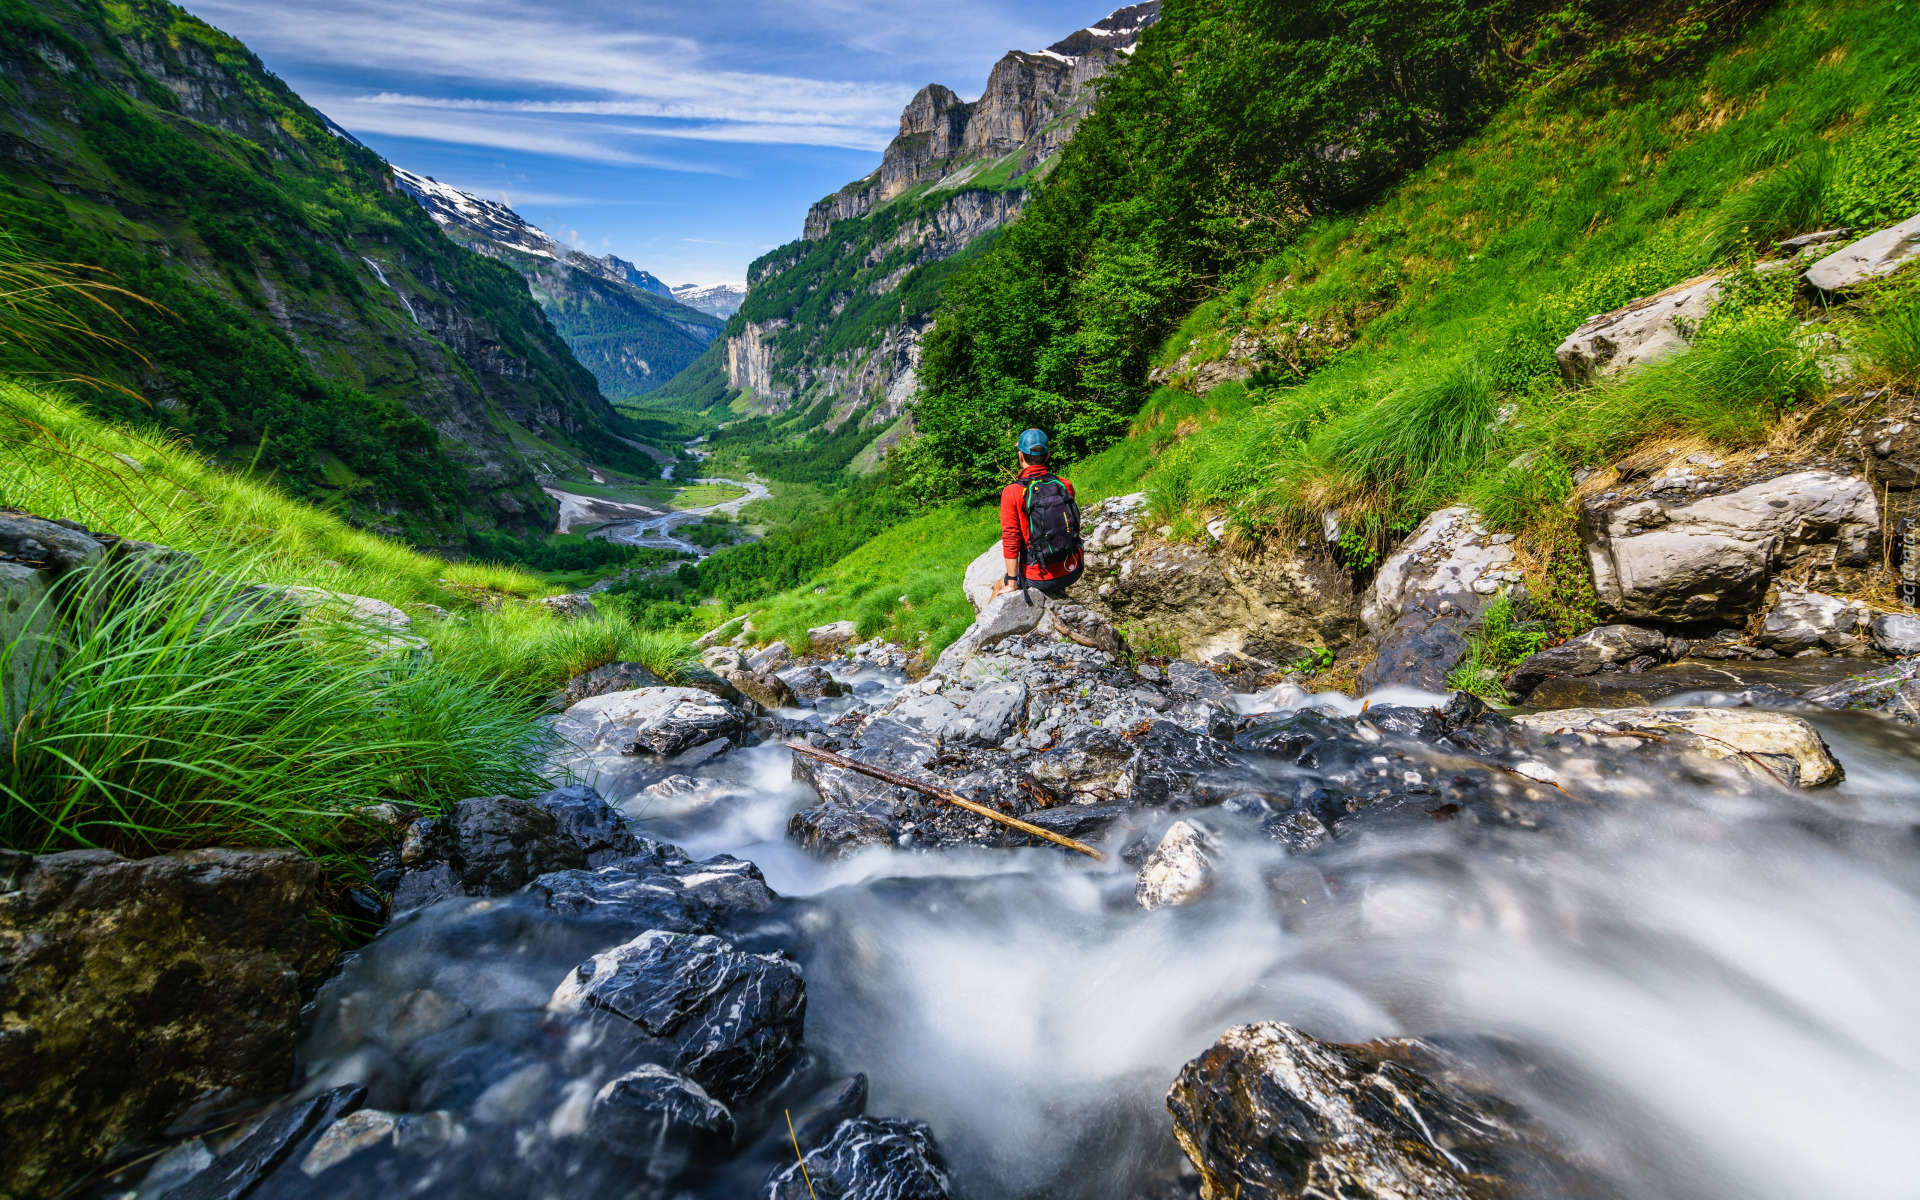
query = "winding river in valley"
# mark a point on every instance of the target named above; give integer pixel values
(1707, 993)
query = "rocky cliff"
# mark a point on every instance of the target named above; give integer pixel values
(315, 322)
(827, 342)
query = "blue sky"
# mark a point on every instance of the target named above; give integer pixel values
(688, 137)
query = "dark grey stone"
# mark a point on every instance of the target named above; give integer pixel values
(1608, 648)
(237, 1172)
(867, 1158)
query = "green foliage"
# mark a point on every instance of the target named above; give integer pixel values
(1495, 647)
(162, 727)
(563, 552)
(532, 654)
(1878, 182)
(1891, 340)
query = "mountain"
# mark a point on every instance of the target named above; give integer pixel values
(825, 348)
(313, 322)
(622, 323)
(720, 299)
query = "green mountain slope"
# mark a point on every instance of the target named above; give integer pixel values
(313, 321)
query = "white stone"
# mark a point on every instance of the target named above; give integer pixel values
(770, 658)
(1712, 558)
(1796, 753)
(1645, 331)
(1896, 634)
(824, 639)
(989, 717)
(1877, 254)
(364, 609)
(1802, 620)
(1447, 555)
(982, 573)
(656, 720)
(1179, 870)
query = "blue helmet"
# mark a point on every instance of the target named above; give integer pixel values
(1033, 443)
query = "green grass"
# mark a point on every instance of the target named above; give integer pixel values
(160, 729)
(1410, 347)
(704, 495)
(166, 737)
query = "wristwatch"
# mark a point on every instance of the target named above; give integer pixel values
(1008, 579)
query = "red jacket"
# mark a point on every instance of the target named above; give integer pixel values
(1013, 528)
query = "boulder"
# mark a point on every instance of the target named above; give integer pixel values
(1896, 634)
(613, 677)
(1773, 745)
(364, 610)
(991, 714)
(276, 1139)
(1269, 1113)
(1892, 690)
(982, 574)
(136, 990)
(1711, 559)
(728, 1019)
(366, 1128)
(650, 1111)
(54, 547)
(573, 606)
(1013, 613)
(497, 844)
(1801, 621)
(1180, 869)
(29, 624)
(1450, 556)
(1608, 648)
(867, 1158)
(809, 685)
(585, 818)
(770, 658)
(763, 688)
(835, 831)
(1274, 604)
(826, 639)
(1878, 254)
(659, 720)
(622, 901)
(1768, 681)
(1645, 331)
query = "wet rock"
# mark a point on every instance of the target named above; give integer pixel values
(1878, 254)
(810, 685)
(762, 687)
(1180, 869)
(496, 844)
(1895, 634)
(814, 1122)
(1426, 595)
(1773, 745)
(825, 639)
(136, 990)
(367, 1128)
(614, 677)
(1800, 621)
(835, 830)
(590, 822)
(868, 1158)
(1077, 821)
(1621, 689)
(1893, 690)
(1644, 331)
(622, 902)
(991, 714)
(704, 680)
(573, 606)
(651, 1111)
(663, 720)
(1191, 681)
(1608, 648)
(274, 1141)
(1711, 559)
(726, 1019)
(1269, 1113)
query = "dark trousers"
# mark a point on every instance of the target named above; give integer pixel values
(1053, 587)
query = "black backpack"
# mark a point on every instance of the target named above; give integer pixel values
(1053, 523)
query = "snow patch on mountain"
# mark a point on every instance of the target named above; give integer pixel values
(473, 215)
(719, 299)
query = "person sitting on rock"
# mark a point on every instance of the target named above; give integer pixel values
(1039, 525)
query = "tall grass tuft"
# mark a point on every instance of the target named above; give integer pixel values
(1890, 340)
(175, 718)
(533, 653)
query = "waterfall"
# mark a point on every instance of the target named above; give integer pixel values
(398, 294)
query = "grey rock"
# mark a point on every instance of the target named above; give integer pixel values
(867, 1158)
(613, 677)
(1711, 559)
(1451, 556)
(590, 822)
(1800, 621)
(835, 831)
(1644, 331)
(730, 1019)
(810, 685)
(496, 844)
(43, 545)
(426, 885)
(770, 658)
(136, 990)
(652, 1113)
(1608, 648)
(664, 720)
(982, 574)
(1878, 254)
(705, 751)
(1078, 821)
(1180, 869)
(1191, 681)
(934, 715)
(574, 606)
(1896, 634)
(990, 716)
(825, 639)
(1268, 1111)
(1423, 647)
(274, 1141)
(1774, 745)
(1893, 690)
(762, 687)
(621, 902)
(1012, 613)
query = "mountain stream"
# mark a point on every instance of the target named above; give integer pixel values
(1706, 993)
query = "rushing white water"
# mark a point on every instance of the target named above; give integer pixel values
(397, 293)
(1712, 994)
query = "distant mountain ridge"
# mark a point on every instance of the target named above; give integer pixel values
(624, 324)
(719, 299)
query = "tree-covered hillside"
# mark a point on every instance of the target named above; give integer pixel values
(306, 318)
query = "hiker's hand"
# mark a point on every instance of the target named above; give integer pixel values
(999, 589)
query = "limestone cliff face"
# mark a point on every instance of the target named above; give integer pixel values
(750, 364)
(1031, 105)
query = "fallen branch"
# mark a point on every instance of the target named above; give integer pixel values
(940, 793)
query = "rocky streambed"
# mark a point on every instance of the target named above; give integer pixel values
(1403, 945)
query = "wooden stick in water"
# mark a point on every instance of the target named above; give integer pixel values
(940, 793)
